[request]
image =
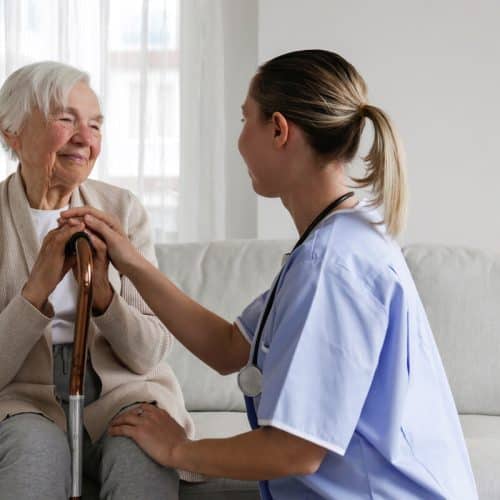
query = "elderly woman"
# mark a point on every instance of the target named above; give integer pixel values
(50, 121)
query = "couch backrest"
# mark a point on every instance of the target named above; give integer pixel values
(460, 289)
(225, 277)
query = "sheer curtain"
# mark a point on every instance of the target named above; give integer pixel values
(131, 48)
(202, 182)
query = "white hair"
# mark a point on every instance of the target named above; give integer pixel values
(43, 85)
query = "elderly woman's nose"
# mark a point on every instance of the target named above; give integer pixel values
(83, 135)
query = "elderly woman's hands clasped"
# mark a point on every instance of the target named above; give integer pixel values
(51, 265)
(102, 292)
(104, 229)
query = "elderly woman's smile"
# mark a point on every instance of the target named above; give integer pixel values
(57, 152)
(73, 157)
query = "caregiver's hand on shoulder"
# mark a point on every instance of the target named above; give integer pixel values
(50, 266)
(153, 429)
(108, 228)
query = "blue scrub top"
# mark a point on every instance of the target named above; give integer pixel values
(349, 363)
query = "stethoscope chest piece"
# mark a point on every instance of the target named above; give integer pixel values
(250, 380)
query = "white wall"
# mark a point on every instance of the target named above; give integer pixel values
(435, 67)
(240, 32)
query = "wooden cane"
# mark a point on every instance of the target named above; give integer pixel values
(79, 244)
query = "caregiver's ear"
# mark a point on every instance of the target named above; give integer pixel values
(281, 129)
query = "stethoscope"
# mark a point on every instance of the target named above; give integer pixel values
(250, 376)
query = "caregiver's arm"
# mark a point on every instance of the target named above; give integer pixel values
(136, 336)
(208, 336)
(265, 453)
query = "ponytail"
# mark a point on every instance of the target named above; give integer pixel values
(385, 170)
(325, 96)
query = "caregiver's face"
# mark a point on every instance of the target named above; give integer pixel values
(64, 147)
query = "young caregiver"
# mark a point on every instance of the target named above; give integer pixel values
(345, 390)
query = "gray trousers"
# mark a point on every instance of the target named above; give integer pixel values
(35, 458)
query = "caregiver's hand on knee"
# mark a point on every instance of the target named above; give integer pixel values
(51, 265)
(265, 453)
(120, 249)
(153, 429)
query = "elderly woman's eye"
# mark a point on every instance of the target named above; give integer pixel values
(67, 119)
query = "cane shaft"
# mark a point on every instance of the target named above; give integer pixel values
(78, 363)
(75, 433)
(84, 276)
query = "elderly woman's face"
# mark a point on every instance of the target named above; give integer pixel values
(63, 147)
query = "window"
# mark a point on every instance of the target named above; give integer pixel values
(131, 50)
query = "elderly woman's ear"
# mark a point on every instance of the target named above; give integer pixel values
(11, 138)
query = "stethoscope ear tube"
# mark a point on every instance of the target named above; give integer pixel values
(79, 245)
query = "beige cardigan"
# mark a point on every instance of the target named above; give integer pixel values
(127, 344)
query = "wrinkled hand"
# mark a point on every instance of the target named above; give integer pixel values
(102, 291)
(153, 429)
(108, 228)
(50, 266)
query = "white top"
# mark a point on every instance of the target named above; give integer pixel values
(64, 297)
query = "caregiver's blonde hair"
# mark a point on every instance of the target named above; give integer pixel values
(326, 97)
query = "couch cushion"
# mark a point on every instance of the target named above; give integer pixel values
(460, 289)
(220, 489)
(225, 277)
(482, 433)
(219, 424)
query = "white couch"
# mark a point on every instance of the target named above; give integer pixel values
(460, 289)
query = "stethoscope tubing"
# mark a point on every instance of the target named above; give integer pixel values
(252, 365)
